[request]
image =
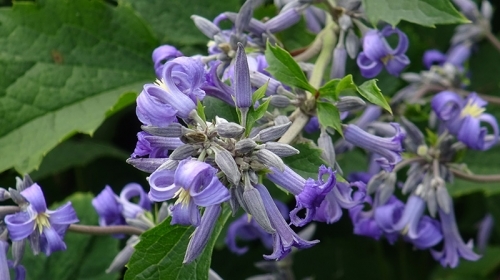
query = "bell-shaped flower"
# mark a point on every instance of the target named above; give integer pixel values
(114, 210)
(422, 231)
(377, 53)
(463, 119)
(389, 148)
(454, 247)
(284, 238)
(179, 87)
(312, 195)
(49, 226)
(154, 146)
(193, 183)
(342, 196)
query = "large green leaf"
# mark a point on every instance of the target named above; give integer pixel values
(160, 252)
(87, 257)
(171, 20)
(64, 65)
(423, 12)
(76, 153)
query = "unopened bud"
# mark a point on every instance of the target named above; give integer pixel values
(173, 130)
(148, 165)
(226, 163)
(280, 101)
(352, 44)
(348, 103)
(257, 210)
(183, 152)
(281, 149)
(272, 133)
(205, 26)
(245, 145)
(270, 159)
(230, 130)
(328, 150)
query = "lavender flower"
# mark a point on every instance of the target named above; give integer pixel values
(36, 221)
(389, 148)
(5, 264)
(377, 53)
(454, 247)
(284, 237)
(463, 119)
(163, 54)
(342, 196)
(178, 88)
(194, 183)
(456, 56)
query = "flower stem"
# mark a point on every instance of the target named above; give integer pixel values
(108, 230)
(493, 40)
(476, 177)
(6, 210)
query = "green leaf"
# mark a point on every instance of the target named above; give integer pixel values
(336, 87)
(171, 20)
(285, 69)
(329, 116)
(255, 115)
(307, 162)
(372, 93)
(64, 66)
(216, 107)
(160, 252)
(477, 162)
(200, 110)
(423, 12)
(79, 261)
(259, 93)
(76, 153)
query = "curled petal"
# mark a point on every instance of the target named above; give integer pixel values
(212, 194)
(396, 64)
(108, 208)
(185, 214)
(447, 105)
(375, 47)
(64, 215)
(492, 121)
(20, 225)
(162, 185)
(433, 57)
(369, 68)
(161, 55)
(152, 111)
(402, 46)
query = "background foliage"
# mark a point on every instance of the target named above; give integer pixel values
(69, 75)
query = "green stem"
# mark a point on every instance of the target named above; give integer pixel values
(475, 177)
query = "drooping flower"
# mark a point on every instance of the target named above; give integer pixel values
(377, 53)
(454, 247)
(36, 219)
(284, 238)
(463, 119)
(194, 183)
(389, 148)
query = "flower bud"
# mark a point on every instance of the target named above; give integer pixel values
(280, 101)
(245, 145)
(270, 159)
(348, 103)
(281, 149)
(256, 209)
(226, 163)
(205, 26)
(272, 133)
(230, 130)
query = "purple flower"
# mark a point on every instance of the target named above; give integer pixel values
(388, 148)
(342, 196)
(202, 233)
(163, 54)
(377, 53)
(421, 230)
(5, 264)
(36, 219)
(151, 110)
(214, 87)
(114, 210)
(312, 195)
(456, 56)
(312, 125)
(284, 237)
(454, 247)
(248, 229)
(194, 183)
(433, 57)
(242, 86)
(178, 88)
(463, 119)
(154, 146)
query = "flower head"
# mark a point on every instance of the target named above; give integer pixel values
(463, 119)
(377, 53)
(193, 183)
(36, 219)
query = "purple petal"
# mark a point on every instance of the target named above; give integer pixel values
(185, 214)
(447, 105)
(108, 208)
(492, 121)
(4, 267)
(34, 196)
(374, 46)
(64, 215)
(432, 57)
(369, 68)
(162, 185)
(242, 86)
(471, 133)
(402, 46)
(396, 64)
(288, 179)
(161, 55)
(51, 241)
(132, 190)
(212, 194)
(20, 225)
